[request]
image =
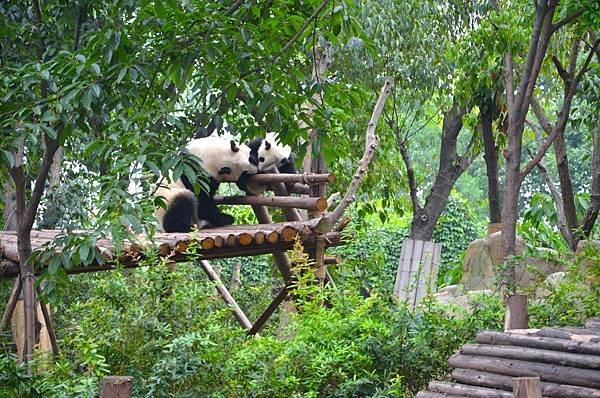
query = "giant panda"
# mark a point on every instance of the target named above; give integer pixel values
(265, 153)
(223, 160)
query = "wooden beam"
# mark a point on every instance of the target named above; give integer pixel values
(12, 302)
(516, 312)
(307, 179)
(227, 297)
(116, 387)
(318, 204)
(527, 387)
(262, 319)
(49, 326)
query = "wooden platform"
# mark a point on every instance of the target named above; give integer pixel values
(230, 241)
(567, 361)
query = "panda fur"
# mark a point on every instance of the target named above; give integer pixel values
(223, 160)
(265, 153)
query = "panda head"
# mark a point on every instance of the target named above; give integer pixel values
(223, 159)
(269, 152)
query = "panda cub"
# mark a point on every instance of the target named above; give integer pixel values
(265, 153)
(223, 160)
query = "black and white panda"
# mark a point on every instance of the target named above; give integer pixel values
(265, 153)
(223, 160)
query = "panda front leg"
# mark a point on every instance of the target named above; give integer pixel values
(208, 210)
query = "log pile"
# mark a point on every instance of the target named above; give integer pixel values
(567, 361)
(230, 241)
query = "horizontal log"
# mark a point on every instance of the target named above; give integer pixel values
(307, 179)
(517, 368)
(586, 335)
(319, 204)
(332, 260)
(133, 261)
(593, 323)
(533, 355)
(429, 394)
(502, 382)
(298, 188)
(546, 343)
(466, 390)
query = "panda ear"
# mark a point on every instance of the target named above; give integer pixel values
(267, 145)
(234, 147)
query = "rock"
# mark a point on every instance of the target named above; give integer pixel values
(550, 284)
(447, 294)
(482, 265)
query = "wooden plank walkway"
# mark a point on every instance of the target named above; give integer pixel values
(417, 269)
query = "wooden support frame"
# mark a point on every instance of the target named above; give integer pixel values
(227, 297)
(262, 319)
(11, 304)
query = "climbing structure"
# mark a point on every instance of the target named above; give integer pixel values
(315, 233)
(316, 229)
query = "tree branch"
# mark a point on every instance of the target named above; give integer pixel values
(541, 152)
(80, 21)
(591, 213)
(556, 195)
(562, 72)
(569, 18)
(371, 142)
(274, 57)
(541, 116)
(234, 7)
(410, 174)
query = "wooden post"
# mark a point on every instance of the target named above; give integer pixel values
(47, 333)
(516, 316)
(116, 387)
(527, 387)
(227, 297)
(319, 257)
(10, 305)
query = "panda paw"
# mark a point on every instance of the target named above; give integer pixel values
(224, 219)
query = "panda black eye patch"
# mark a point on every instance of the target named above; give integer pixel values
(261, 159)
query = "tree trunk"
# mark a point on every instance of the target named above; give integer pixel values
(486, 117)
(566, 185)
(451, 167)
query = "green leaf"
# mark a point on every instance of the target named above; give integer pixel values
(87, 99)
(96, 68)
(121, 74)
(96, 89)
(80, 57)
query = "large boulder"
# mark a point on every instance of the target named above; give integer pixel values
(482, 265)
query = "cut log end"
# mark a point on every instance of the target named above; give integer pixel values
(273, 237)
(288, 234)
(207, 243)
(321, 204)
(245, 239)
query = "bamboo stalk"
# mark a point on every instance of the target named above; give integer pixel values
(318, 204)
